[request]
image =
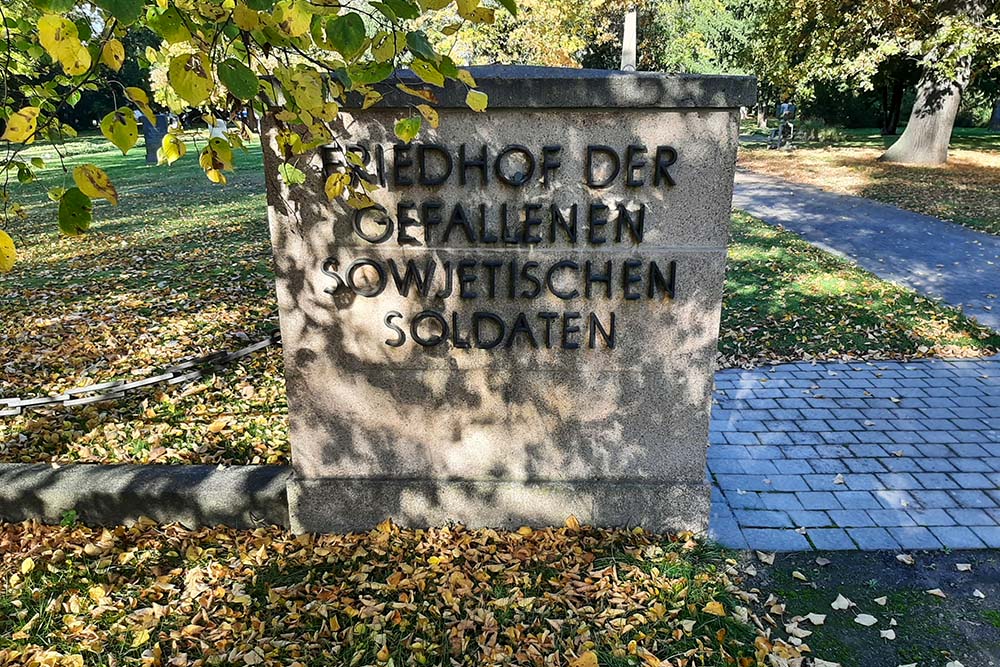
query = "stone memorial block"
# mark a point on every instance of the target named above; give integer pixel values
(524, 327)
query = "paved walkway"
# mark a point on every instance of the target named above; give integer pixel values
(937, 258)
(880, 455)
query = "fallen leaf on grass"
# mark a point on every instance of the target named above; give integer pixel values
(841, 603)
(905, 558)
(881, 601)
(765, 558)
(820, 662)
(816, 619)
(887, 634)
(586, 659)
(866, 620)
(963, 567)
(822, 562)
(978, 594)
(798, 575)
(715, 608)
(937, 592)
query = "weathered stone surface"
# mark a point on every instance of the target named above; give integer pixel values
(340, 505)
(194, 495)
(551, 421)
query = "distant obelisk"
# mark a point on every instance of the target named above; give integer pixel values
(629, 42)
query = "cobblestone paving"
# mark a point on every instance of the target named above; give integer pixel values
(880, 455)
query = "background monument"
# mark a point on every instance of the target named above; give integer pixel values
(525, 325)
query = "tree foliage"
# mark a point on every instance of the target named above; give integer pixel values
(232, 57)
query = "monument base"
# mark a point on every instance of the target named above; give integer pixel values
(352, 505)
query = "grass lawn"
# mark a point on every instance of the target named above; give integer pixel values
(182, 267)
(966, 190)
(927, 629)
(581, 597)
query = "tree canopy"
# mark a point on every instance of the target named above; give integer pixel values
(302, 57)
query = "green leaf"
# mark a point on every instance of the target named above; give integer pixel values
(238, 78)
(420, 46)
(55, 6)
(385, 10)
(260, 5)
(402, 8)
(291, 174)
(388, 45)
(75, 212)
(126, 11)
(169, 26)
(24, 173)
(408, 128)
(427, 72)
(83, 30)
(38, 163)
(120, 128)
(510, 6)
(368, 73)
(346, 34)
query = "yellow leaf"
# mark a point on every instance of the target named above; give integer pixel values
(429, 114)
(372, 97)
(171, 149)
(139, 97)
(715, 608)
(476, 100)
(120, 128)
(427, 72)
(246, 18)
(383, 654)
(466, 77)
(388, 45)
(293, 17)
(218, 425)
(21, 126)
(190, 75)
(141, 637)
(335, 185)
(27, 565)
(60, 38)
(96, 593)
(113, 54)
(585, 659)
(94, 182)
(8, 253)
(218, 155)
(416, 92)
(572, 522)
(216, 176)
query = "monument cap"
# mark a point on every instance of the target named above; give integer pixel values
(528, 87)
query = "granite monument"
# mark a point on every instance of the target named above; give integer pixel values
(524, 326)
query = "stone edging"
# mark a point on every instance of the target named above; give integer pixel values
(247, 496)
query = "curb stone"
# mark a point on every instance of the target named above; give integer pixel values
(247, 496)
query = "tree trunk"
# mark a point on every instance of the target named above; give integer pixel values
(928, 132)
(894, 108)
(995, 119)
